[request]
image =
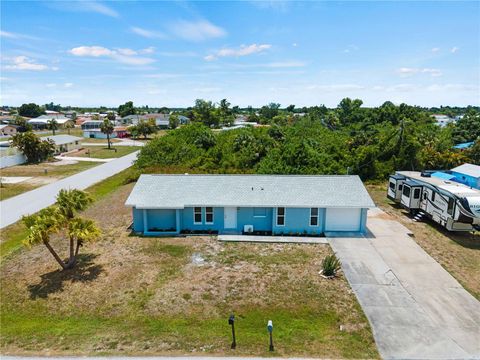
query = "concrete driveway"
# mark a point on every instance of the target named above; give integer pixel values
(12, 209)
(417, 310)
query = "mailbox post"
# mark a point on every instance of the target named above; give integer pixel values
(270, 331)
(231, 321)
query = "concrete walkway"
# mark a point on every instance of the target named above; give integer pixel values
(273, 239)
(12, 209)
(417, 310)
(80, 158)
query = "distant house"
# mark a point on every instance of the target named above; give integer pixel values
(8, 130)
(41, 122)
(443, 120)
(467, 174)
(162, 121)
(92, 129)
(239, 204)
(64, 143)
(464, 146)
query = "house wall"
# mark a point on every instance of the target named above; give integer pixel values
(467, 179)
(297, 220)
(98, 134)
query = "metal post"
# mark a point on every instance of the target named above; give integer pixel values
(270, 330)
(231, 321)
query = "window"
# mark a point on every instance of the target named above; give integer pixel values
(451, 204)
(400, 187)
(406, 191)
(209, 215)
(433, 196)
(259, 212)
(392, 186)
(281, 216)
(416, 194)
(314, 217)
(197, 215)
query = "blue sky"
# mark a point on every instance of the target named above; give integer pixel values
(92, 53)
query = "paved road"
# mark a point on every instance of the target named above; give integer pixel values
(12, 209)
(417, 310)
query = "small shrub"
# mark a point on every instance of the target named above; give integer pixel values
(330, 265)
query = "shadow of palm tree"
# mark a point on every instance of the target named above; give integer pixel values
(54, 281)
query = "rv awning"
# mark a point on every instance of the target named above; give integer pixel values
(443, 176)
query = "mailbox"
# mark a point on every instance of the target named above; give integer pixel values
(270, 326)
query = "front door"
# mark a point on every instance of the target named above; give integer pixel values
(230, 218)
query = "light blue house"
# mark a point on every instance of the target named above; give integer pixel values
(248, 204)
(467, 174)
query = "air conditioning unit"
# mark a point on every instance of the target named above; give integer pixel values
(248, 228)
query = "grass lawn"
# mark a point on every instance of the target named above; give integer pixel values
(40, 177)
(458, 253)
(100, 152)
(144, 296)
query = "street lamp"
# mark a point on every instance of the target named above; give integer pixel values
(270, 331)
(231, 321)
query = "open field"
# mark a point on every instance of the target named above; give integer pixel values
(134, 295)
(41, 174)
(103, 152)
(458, 253)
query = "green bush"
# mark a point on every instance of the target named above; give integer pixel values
(330, 265)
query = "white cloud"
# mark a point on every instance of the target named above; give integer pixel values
(84, 6)
(7, 34)
(149, 50)
(25, 63)
(11, 35)
(68, 85)
(50, 85)
(454, 49)
(435, 49)
(148, 33)
(197, 30)
(127, 52)
(95, 51)
(406, 71)
(244, 50)
(124, 55)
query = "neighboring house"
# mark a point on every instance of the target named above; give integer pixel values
(467, 174)
(162, 121)
(443, 120)
(64, 143)
(464, 146)
(91, 129)
(91, 124)
(41, 122)
(236, 204)
(8, 130)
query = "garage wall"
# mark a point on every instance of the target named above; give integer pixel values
(343, 219)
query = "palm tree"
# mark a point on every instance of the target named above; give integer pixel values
(52, 125)
(107, 128)
(63, 217)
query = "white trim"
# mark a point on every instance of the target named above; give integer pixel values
(213, 219)
(317, 216)
(284, 216)
(201, 216)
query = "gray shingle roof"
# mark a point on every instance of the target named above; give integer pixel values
(62, 139)
(179, 191)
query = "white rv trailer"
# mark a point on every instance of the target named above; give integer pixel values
(453, 205)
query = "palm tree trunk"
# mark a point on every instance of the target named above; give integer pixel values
(72, 260)
(79, 243)
(108, 140)
(55, 255)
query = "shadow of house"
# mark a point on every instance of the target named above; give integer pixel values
(54, 282)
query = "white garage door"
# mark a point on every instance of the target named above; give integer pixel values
(342, 219)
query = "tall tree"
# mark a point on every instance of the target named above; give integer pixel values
(107, 128)
(173, 121)
(34, 149)
(62, 218)
(30, 110)
(204, 112)
(126, 109)
(52, 125)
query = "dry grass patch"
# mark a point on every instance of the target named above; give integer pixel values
(458, 253)
(135, 295)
